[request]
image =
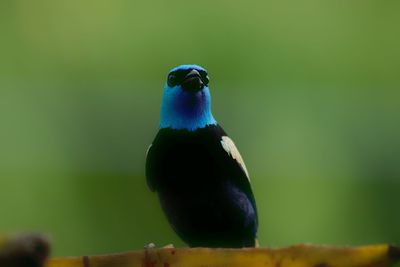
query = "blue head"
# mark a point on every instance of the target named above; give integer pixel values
(186, 100)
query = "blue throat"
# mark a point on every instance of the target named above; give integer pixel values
(181, 110)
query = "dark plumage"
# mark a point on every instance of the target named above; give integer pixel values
(202, 183)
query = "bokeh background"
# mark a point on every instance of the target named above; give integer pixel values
(309, 91)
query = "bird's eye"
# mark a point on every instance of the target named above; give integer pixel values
(206, 80)
(205, 77)
(171, 80)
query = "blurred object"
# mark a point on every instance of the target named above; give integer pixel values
(300, 255)
(29, 250)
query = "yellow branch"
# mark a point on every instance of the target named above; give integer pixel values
(18, 251)
(295, 256)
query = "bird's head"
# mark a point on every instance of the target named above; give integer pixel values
(189, 78)
(186, 100)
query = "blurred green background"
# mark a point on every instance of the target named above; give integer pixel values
(309, 91)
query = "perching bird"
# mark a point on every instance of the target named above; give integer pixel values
(196, 169)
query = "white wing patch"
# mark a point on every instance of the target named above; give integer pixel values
(231, 149)
(148, 149)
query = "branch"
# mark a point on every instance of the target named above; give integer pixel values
(32, 251)
(299, 256)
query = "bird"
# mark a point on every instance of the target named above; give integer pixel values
(196, 170)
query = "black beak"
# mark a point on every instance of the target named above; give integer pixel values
(192, 82)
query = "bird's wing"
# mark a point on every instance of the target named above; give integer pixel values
(237, 168)
(149, 172)
(230, 148)
(235, 165)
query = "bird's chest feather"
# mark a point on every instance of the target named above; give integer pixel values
(188, 159)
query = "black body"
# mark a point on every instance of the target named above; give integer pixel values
(204, 192)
